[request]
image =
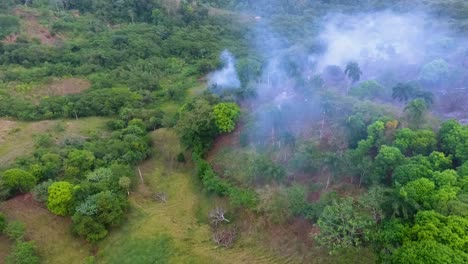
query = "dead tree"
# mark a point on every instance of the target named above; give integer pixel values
(161, 196)
(225, 237)
(217, 216)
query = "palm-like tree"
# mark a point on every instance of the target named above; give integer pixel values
(416, 109)
(428, 97)
(353, 71)
(403, 92)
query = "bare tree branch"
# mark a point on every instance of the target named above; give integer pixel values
(161, 196)
(217, 216)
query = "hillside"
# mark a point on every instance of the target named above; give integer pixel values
(233, 131)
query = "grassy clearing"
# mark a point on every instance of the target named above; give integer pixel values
(17, 138)
(177, 228)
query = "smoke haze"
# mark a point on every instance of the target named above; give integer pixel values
(227, 76)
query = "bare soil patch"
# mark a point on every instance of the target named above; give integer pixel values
(33, 29)
(65, 86)
(50, 232)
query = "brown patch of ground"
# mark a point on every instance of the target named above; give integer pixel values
(6, 126)
(33, 28)
(65, 86)
(5, 245)
(43, 228)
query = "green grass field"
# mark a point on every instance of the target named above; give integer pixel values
(18, 138)
(176, 231)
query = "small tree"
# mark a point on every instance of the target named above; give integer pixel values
(342, 225)
(124, 183)
(416, 110)
(226, 115)
(60, 198)
(18, 180)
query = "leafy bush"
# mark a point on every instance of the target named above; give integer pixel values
(23, 253)
(41, 191)
(18, 180)
(226, 115)
(8, 25)
(60, 198)
(15, 230)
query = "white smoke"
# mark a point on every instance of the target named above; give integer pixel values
(227, 76)
(380, 37)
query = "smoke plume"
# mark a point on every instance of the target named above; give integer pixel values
(225, 78)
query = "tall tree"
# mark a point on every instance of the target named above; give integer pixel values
(416, 110)
(353, 71)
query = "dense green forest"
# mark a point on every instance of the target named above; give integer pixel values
(165, 131)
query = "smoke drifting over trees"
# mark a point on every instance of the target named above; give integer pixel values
(227, 76)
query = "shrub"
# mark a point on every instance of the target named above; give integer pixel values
(15, 230)
(41, 191)
(18, 180)
(23, 253)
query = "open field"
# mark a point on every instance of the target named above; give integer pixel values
(17, 138)
(178, 229)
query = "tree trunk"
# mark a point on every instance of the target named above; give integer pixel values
(141, 176)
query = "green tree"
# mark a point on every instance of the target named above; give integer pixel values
(439, 161)
(60, 198)
(385, 163)
(410, 172)
(342, 225)
(124, 183)
(428, 252)
(403, 92)
(367, 89)
(450, 136)
(226, 115)
(412, 142)
(80, 161)
(421, 191)
(18, 180)
(415, 110)
(196, 126)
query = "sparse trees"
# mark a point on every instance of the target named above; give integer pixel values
(342, 225)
